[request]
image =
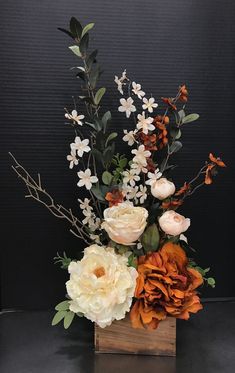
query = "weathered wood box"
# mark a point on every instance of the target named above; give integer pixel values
(121, 338)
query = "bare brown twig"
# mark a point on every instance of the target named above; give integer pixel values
(36, 192)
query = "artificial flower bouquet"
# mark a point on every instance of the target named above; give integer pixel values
(136, 259)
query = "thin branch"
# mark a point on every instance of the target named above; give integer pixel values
(36, 192)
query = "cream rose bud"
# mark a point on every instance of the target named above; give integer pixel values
(125, 223)
(162, 188)
(101, 285)
(173, 223)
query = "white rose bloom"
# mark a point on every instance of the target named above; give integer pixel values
(125, 223)
(173, 223)
(101, 285)
(162, 188)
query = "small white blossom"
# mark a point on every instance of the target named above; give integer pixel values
(139, 246)
(121, 81)
(145, 123)
(73, 161)
(80, 146)
(138, 168)
(149, 104)
(142, 194)
(129, 191)
(86, 179)
(127, 106)
(129, 137)
(75, 117)
(136, 88)
(95, 237)
(88, 216)
(140, 155)
(85, 205)
(94, 224)
(130, 177)
(153, 176)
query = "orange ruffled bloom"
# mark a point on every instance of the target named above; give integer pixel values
(211, 168)
(114, 198)
(166, 286)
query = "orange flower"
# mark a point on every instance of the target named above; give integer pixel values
(114, 197)
(151, 167)
(169, 102)
(183, 93)
(149, 141)
(160, 123)
(208, 176)
(217, 161)
(185, 188)
(172, 204)
(166, 286)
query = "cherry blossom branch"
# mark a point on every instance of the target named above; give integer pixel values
(36, 192)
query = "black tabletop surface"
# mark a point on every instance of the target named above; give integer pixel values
(28, 344)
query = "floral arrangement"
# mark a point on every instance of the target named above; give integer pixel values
(137, 258)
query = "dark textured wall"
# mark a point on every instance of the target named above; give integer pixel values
(161, 43)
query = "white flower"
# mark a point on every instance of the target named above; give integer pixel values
(140, 155)
(85, 205)
(95, 237)
(121, 81)
(94, 224)
(75, 117)
(139, 246)
(86, 179)
(145, 123)
(138, 168)
(142, 194)
(173, 223)
(129, 137)
(129, 191)
(125, 223)
(130, 177)
(80, 146)
(126, 106)
(72, 159)
(149, 104)
(153, 177)
(162, 188)
(101, 285)
(136, 88)
(88, 217)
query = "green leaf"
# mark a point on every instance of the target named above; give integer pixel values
(98, 155)
(175, 133)
(87, 28)
(111, 137)
(190, 118)
(58, 317)
(132, 261)
(181, 115)
(107, 178)
(108, 155)
(76, 50)
(75, 28)
(105, 119)
(84, 44)
(92, 125)
(62, 306)
(91, 58)
(66, 32)
(175, 147)
(94, 75)
(68, 319)
(97, 193)
(81, 75)
(99, 94)
(150, 238)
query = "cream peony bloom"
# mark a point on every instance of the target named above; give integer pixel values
(125, 223)
(101, 285)
(173, 223)
(162, 188)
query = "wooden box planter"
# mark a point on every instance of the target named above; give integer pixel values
(121, 338)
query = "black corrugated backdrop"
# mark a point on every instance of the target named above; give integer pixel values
(162, 44)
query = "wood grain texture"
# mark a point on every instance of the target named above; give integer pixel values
(121, 338)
